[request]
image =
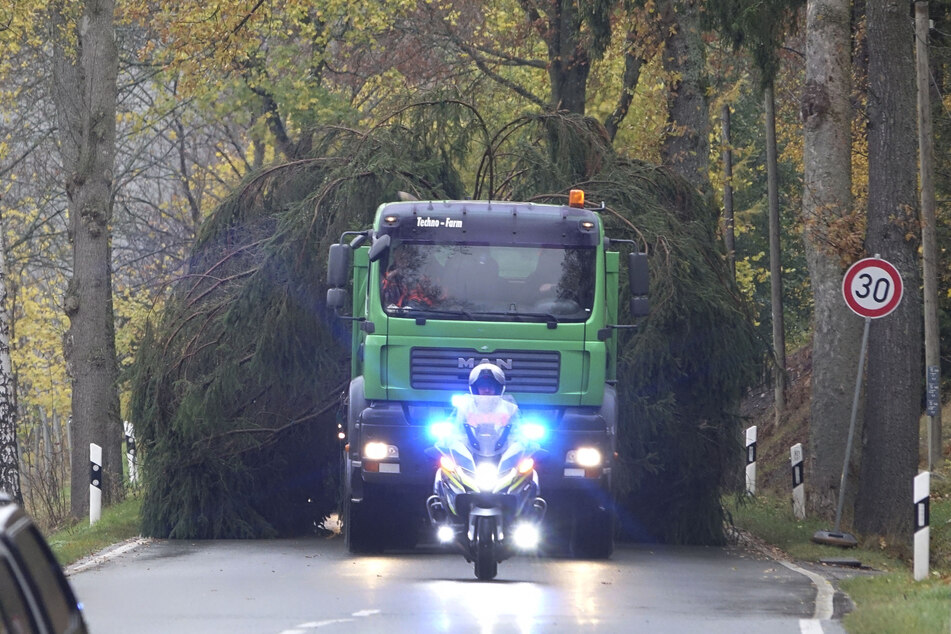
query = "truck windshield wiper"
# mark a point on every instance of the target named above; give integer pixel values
(422, 313)
(548, 318)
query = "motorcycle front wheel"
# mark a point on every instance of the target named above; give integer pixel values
(486, 565)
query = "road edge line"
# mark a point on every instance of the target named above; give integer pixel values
(105, 555)
(825, 593)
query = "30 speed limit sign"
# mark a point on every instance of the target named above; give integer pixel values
(872, 287)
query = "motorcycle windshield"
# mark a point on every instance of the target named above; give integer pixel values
(487, 420)
(487, 439)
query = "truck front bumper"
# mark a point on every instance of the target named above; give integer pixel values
(404, 460)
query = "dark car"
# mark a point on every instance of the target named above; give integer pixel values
(34, 593)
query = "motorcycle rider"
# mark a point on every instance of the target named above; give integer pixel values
(486, 403)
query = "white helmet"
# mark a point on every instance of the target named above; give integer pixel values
(488, 375)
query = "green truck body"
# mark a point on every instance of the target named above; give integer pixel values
(446, 285)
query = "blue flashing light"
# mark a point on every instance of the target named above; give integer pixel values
(533, 430)
(442, 430)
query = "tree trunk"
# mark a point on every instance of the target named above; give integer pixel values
(729, 230)
(9, 456)
(893, 401)
(775, 259)
(826, 116)
(84, 72)
(568, 62)
(686, 145)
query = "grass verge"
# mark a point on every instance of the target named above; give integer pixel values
(118, 523)
(891, 601)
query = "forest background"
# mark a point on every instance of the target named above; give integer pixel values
(210, 93)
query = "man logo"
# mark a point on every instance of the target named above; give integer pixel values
(505, 364)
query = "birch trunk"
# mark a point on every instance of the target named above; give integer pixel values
(9, 456)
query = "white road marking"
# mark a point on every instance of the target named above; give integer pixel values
(824, 592)
(105, 555)
(303, 628)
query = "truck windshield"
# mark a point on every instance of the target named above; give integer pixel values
(491, 283)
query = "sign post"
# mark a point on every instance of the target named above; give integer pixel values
(872, 288)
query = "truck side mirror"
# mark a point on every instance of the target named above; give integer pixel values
(336, 298)
(338, 265)
(639, 283)
(380, 245)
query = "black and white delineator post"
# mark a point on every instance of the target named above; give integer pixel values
(922, 519)
(130, 451)
(751, 460)
(95, 483)
(798, 489)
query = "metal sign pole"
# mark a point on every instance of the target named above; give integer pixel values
(855, 407)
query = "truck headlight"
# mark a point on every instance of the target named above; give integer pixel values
(586, 457)
(375, 450)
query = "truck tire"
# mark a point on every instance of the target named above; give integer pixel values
(592, 535)
(360, 531)
(486, 565)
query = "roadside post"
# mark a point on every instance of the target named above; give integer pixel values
(798, 489)
(872, 288)
(130, 451)
(922, 520)
(95, 483)
(751, 460)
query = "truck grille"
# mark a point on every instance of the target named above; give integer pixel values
(448, 368)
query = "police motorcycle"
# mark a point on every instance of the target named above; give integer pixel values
(485, 494)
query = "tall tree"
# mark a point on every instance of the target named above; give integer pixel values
(686, 146)
(827, 218)
(893, 396)
(85, 68)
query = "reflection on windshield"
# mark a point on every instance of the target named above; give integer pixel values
(489, 282)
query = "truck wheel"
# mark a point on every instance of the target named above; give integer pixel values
(486, 566)
(592, 535)
(360, 531)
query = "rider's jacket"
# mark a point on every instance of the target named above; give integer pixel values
(478, 410)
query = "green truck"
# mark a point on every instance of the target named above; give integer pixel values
(437, 287)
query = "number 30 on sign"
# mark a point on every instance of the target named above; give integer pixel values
(872, 287)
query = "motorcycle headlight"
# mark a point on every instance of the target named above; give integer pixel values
(486, 476)
(526, 536)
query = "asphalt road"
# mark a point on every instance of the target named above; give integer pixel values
(314, 585)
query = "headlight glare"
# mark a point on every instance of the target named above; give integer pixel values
(486, 476)
(375, 450)
(586, 457)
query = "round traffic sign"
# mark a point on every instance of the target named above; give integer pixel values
(872, 287)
